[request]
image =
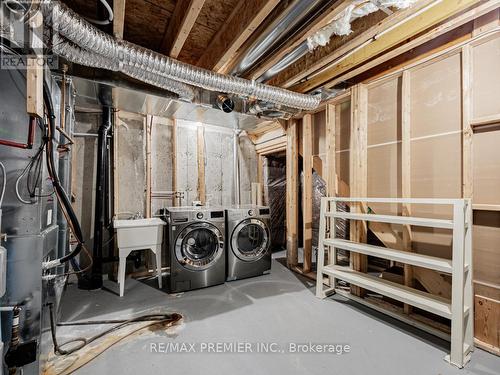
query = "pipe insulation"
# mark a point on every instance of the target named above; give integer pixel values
(146, 62)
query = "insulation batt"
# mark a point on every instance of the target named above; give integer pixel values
(341, 25)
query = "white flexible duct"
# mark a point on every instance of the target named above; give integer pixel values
(84, 57)
(147, 63)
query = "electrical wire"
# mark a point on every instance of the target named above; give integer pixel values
(171, 319)
(61, 195)
(36, 161)
(110, 15)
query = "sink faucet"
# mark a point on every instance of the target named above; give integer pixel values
(137, 215)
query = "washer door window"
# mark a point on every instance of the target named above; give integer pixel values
(199, 246)
(250, 240)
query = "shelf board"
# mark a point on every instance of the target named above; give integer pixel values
(405, 220)
(419, 260)
(434, 304)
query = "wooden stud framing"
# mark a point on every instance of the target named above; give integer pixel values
(148, 123)
(201, 164)
(116, 153)
(174, 159)
(260, 178)
(182, 21)
(256, 194)
(245, 18)
(358, 172)
(467, 164)
(292, 171)
(307, 192)
(406, 173)
(331, 167)
(34, 88)
(330, 172)
(118, 18)
(34, 72)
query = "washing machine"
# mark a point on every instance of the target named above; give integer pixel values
(248, 241)
(196, 248)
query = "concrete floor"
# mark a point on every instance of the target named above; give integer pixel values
(278, 308)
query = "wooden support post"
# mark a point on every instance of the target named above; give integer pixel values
(148, 127)
(467, 165)
(256, 194)
(358, 173)
(307, 167)
(292, 171)
(331, 168)
(34, 87)
(330, 175)
(119, 18)
(34, 73)
(406, 174)
(260, 177)
(116, 185)
(174, 160)
(201, 164)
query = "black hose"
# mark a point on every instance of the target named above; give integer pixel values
(61, 194)
(160, 318)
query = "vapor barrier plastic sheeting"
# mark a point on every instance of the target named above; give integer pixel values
(275, 193)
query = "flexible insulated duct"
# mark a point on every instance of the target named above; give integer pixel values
(84, 57)
(147, 62)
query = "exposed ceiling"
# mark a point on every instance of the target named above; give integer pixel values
(215, 34)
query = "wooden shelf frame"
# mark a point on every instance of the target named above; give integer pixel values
(459, 309)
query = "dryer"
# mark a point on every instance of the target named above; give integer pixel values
(248, 241)
(196, 248)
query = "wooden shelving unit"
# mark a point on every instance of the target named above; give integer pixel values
(458, 309)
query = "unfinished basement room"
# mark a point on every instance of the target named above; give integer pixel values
(280, 187)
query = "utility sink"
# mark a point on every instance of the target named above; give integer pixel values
(139, 233)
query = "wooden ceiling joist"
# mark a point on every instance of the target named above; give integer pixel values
(185, 14)
(297, 72)
(321, 21)
(423, 21)
(244, 19)
(118, 18)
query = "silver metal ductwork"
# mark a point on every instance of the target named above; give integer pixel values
(288, 60)
(148, 64)
(84, 57)
(287, 21)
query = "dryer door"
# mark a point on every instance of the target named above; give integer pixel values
(199, 246)
(250, 240)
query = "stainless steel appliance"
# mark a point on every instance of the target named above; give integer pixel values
(248, 239)
(196, 249)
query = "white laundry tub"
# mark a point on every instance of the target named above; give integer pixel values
(140, 233)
